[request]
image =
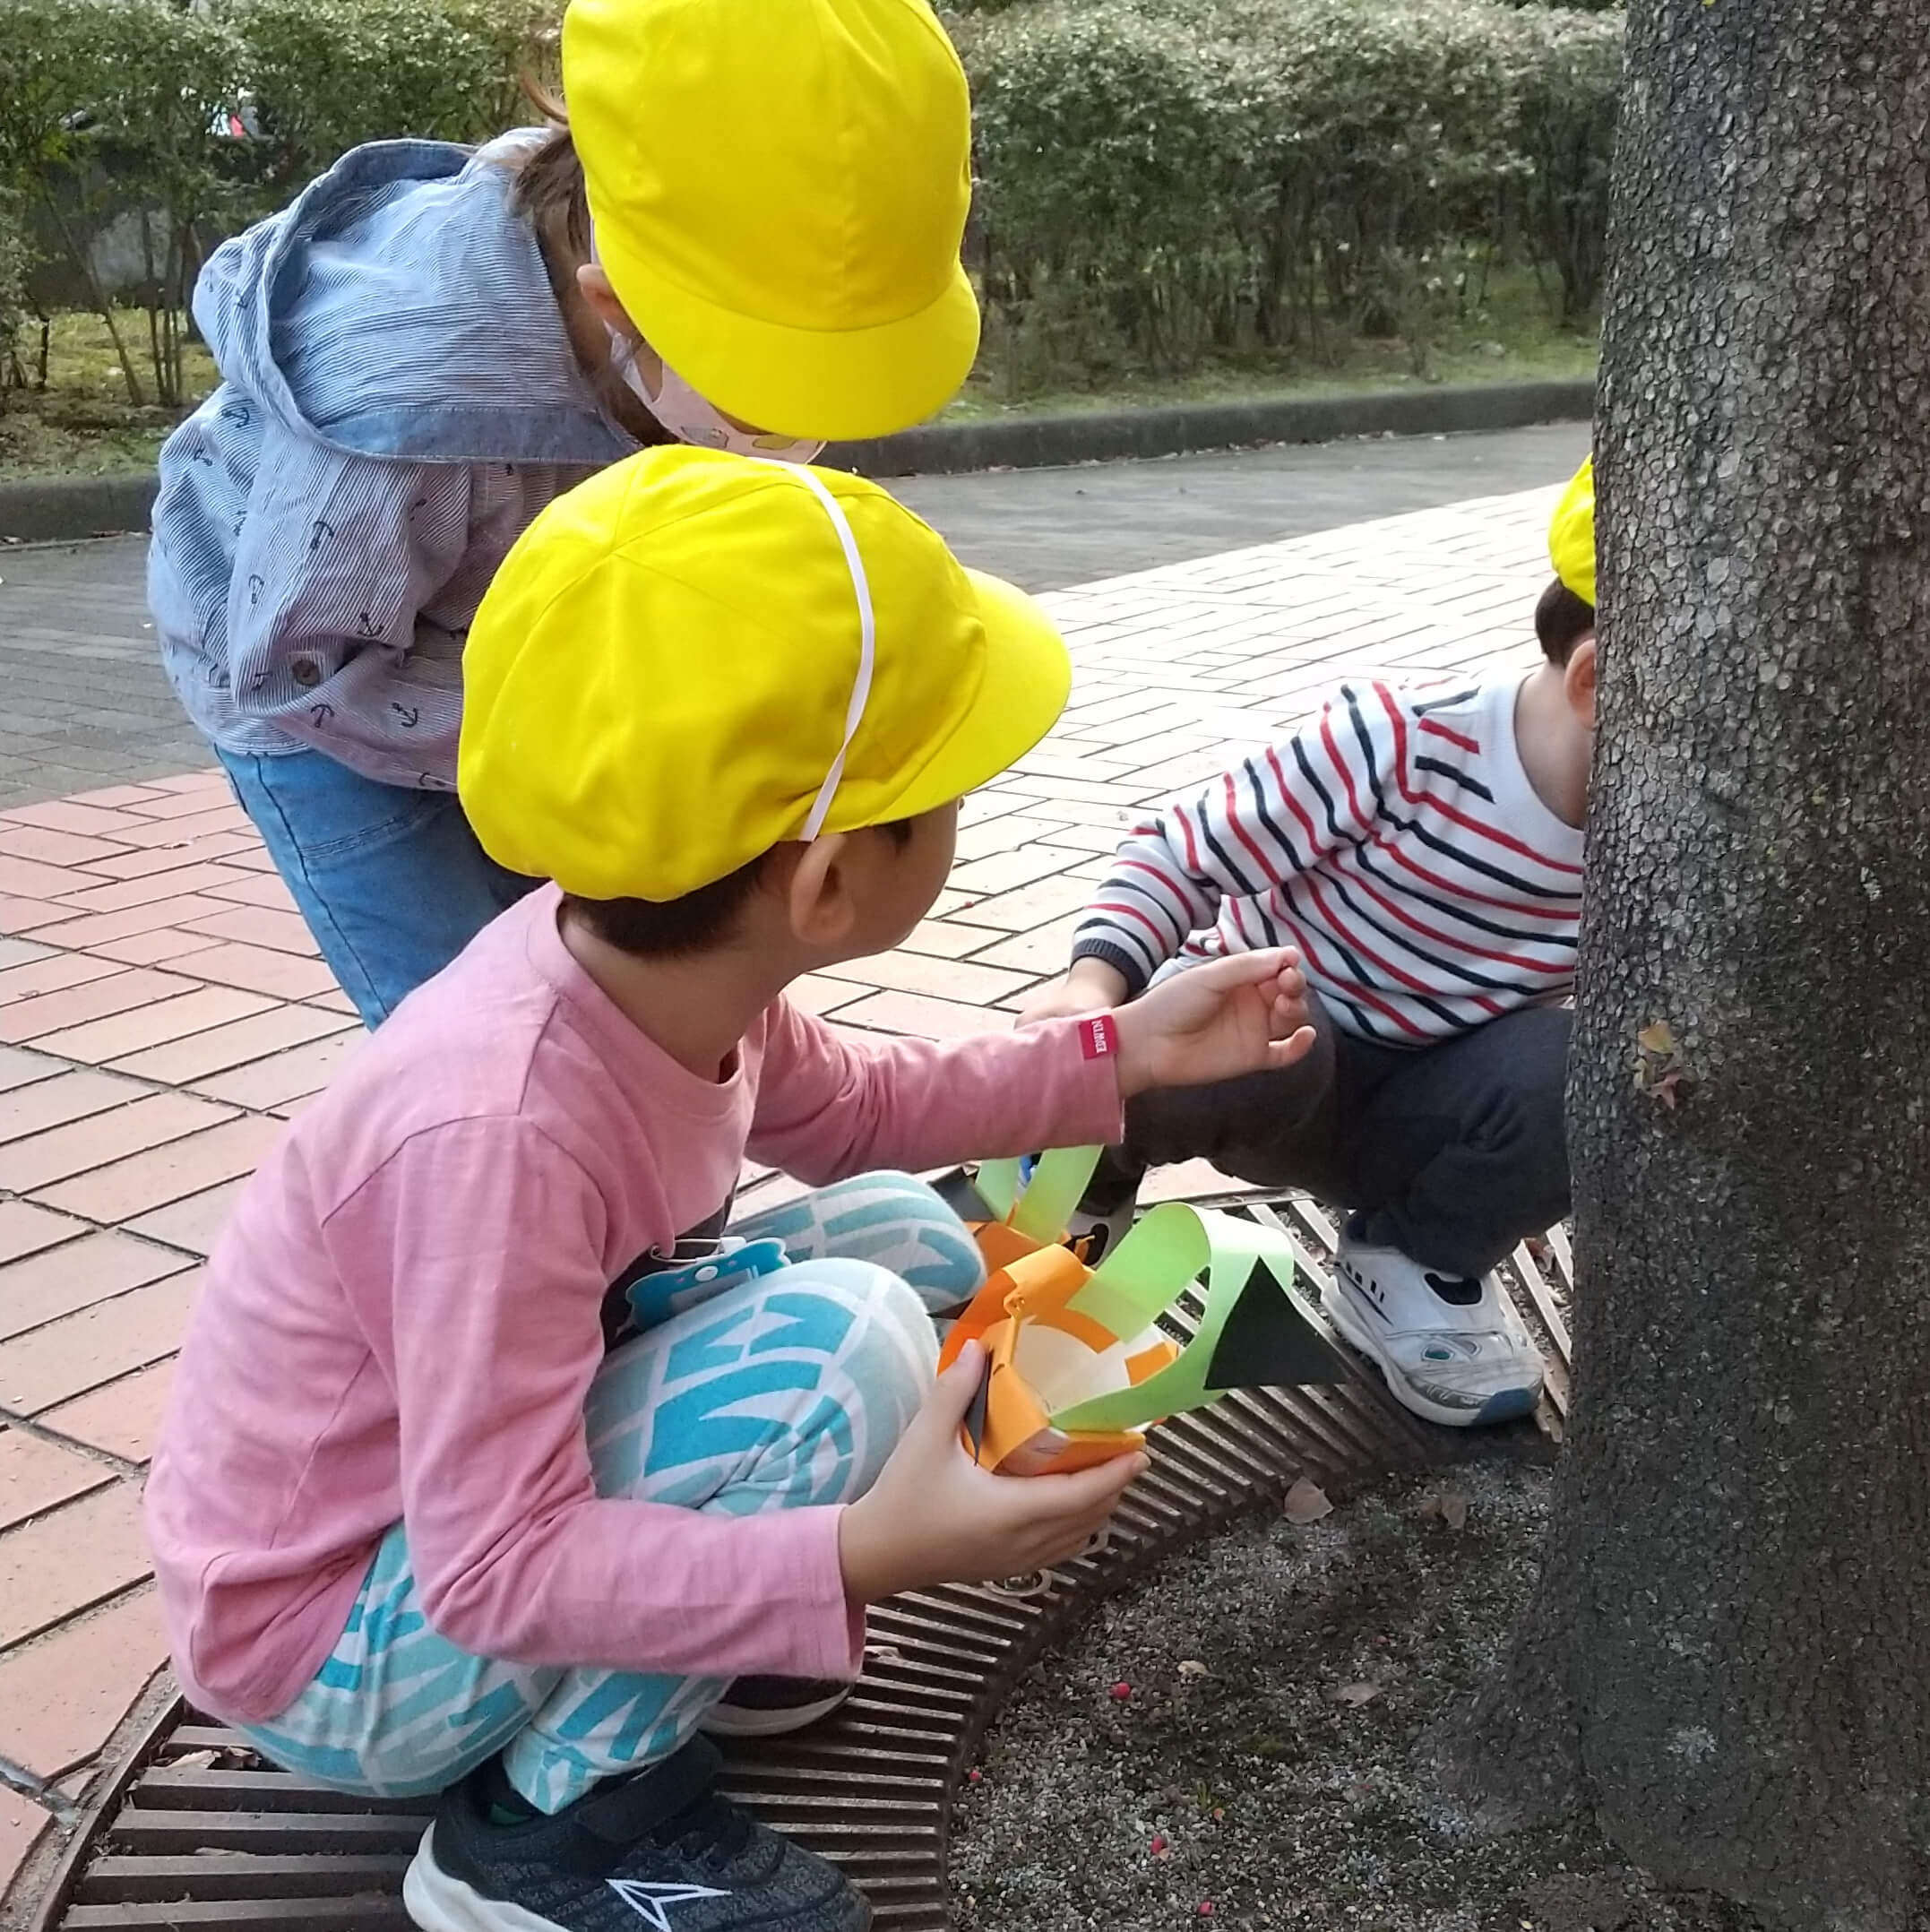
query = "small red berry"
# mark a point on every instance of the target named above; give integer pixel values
(1158, 1846)
(1122, 1691)
(1206, 1908)
(973, 1776)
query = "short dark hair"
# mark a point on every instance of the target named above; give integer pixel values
(674, 928)
(1561, 620)
(549, 194)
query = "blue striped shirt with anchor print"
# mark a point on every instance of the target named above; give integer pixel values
(397, 401)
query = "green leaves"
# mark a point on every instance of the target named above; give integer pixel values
(12, 286)
(1162, 179)
(1158, 181)
(328, 74)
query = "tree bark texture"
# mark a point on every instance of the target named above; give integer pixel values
(1728, 1656)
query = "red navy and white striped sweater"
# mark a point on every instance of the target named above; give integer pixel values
(1396, 840)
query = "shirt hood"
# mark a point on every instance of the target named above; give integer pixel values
(400, 306)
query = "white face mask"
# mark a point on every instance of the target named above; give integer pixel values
(688, 417)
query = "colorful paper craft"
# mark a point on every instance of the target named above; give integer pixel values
(1077, 1367)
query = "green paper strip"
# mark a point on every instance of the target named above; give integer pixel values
(1135, 1284)
(1052, 1196)
(997, 1182)
(1228, 1249)
(1042, 1208)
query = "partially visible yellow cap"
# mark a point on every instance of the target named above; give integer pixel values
(1571, 534)
(672, 659)
(780, 189)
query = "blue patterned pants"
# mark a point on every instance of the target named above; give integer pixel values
(788, 1390)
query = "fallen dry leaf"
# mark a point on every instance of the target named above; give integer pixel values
(1450, 1507)
(1191, 1667)
(1357, 1694)
(1658, 1038)
(1307, 1502)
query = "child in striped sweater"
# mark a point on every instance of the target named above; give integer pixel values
(1423, 852)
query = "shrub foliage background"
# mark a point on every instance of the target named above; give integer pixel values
(1160, 181)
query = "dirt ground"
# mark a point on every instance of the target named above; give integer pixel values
(1250, 1737)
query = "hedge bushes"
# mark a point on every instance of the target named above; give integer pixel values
(325, 76)
(12, 294)
(196, 120)
(1159, 180)
(96, 95)
(1174, 177)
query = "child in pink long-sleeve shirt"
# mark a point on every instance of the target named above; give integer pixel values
(495, 1467)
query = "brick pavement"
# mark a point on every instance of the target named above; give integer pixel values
(83, 704)
(162, 1014)
(83, 699)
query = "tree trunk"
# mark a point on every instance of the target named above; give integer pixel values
(1728, 1656)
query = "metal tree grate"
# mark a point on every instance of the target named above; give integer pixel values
(195, 1829)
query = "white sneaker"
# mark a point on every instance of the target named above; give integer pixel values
(1453, 1351)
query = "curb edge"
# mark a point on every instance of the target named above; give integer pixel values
(68, 509)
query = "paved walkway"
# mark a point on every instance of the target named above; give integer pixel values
(83, 701)
(162, 1013)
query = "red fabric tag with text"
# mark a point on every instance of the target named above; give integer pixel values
(1099, 1037)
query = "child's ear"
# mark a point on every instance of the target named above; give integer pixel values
(594, 286)
(1578, 678)
(818, 898)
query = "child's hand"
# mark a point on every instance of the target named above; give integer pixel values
(1238, 1016)
(1090, 987)
(933, 1516)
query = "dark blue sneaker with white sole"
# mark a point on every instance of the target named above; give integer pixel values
(659, 1850)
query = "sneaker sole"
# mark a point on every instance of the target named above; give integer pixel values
(437, 1903)
(743, 1721)
(1505, 1405)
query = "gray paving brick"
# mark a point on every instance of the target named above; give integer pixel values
(83, 701)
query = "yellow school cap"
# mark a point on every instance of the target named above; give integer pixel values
(779, 190)
(1571, 534)
(695, 657)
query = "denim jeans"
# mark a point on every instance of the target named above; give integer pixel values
(391, 881)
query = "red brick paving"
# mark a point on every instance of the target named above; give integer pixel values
(35, 1475)
(70, 1559)
(162, 1010)
(60, 1697)
(21, 1825)
(119, 1420)
(97, 1267)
